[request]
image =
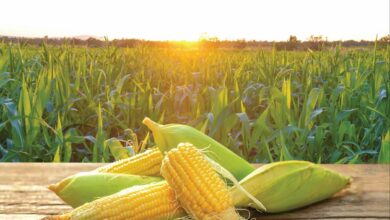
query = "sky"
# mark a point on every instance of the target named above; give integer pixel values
(190, 19)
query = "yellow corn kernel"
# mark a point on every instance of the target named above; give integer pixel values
(199, 189)
(153, 201)
(147, 163)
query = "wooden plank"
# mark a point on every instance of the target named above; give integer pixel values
(23, 186)
(40, 173)
(23, 192)
(21, 217)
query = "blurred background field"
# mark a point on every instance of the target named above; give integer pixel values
(71, 103)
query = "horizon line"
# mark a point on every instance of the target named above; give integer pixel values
(102, 38)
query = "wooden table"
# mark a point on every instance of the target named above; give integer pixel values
(23, 192)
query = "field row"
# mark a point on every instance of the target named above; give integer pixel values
(81, 104)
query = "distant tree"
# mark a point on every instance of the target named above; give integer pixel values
(292, 43)
(293, 39)
(318, 38)
(208, 42)
(240, 44)
(385, 39)
(317, 42)
(93, 42)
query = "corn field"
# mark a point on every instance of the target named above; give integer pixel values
(68, 103)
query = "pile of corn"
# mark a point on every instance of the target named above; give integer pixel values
(190, 175)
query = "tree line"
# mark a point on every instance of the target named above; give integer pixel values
(312, 43)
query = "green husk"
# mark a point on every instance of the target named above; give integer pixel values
(85, 187)
(284, 186)
(170, 135)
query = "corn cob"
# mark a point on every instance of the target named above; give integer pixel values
(153, 201)
(170, 135)
(147, 163)
(284, 186)
(87, 186)
(198, 187)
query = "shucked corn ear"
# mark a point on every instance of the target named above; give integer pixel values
(147, 163)
(284, 186)
(170, 135)
(199, 189)
(87, 186)
(153, 201)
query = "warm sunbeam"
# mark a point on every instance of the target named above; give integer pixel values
(188, 20)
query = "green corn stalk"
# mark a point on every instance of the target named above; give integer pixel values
(384, 153)
(332, 103)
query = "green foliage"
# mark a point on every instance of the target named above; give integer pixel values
(384, 154)
(65, 103)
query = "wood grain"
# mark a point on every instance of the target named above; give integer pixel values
(23, 193)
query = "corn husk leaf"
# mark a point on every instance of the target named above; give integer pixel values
(85, 187)
(284, 186)
(170, 135)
